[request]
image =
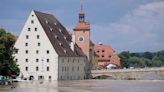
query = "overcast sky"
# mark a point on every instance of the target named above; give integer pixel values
(126, 25)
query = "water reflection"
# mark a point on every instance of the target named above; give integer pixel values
(87, 86)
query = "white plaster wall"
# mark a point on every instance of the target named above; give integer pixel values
(68, 63)
(32, 47)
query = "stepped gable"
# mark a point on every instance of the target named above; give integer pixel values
(58, 35)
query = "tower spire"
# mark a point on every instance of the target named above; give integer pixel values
(81, 5)
(81, 14)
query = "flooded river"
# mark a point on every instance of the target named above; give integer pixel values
(87, 86)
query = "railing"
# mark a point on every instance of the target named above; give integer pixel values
(129, 70)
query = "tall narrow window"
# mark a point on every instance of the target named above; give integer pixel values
(26, 44)
(72, 68)
(48, 51)
(38, 43)
(16, 60)
(37, 60)
(37, 51)
(37, 68)
(37, 36)
(48, 69)
(32, 21)
(26, 51)
(26, 60)
(26, 68)
(48, 60)
(27, 37)
(29, 29)
(78, 68)
(35, 29)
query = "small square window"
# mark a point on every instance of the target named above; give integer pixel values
(26, 68)
(35, 29)
(37, 60)
(37, 36)
(29, 29)
(32, 15)
(26, 44)
(37, 51)
(38, 44)
(103, 50)
(32, 21)
(16, 60)
(48, 69)
(102, 55)
(26, 60)
(26, 51)
(37, 68)
(48, 60)
(27, 37)
(48, 51)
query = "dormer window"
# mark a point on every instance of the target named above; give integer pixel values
(51, 29)
(60, 30)
(47, 22)
(55, 23)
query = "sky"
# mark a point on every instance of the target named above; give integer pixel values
(126, 25)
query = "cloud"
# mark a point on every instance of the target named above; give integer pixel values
(142, 29)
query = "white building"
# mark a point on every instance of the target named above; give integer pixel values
(46, 51)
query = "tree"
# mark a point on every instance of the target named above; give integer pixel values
(8, 66)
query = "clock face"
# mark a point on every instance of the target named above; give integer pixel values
(81, 38)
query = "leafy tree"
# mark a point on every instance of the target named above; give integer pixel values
(8, 66)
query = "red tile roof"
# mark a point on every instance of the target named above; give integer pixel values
(107, 54)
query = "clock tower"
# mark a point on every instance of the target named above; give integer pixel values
(82, 34)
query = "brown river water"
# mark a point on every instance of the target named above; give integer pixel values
(87, 86)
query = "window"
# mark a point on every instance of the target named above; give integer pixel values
(26, 60)
(67, 68)
(109, 56)
(78, 68)
(103, 50)
(32, 21)
(62, 69)
(102, 56)
(26, 44)
(48, 60)
(16, 60)
(37, 36)
(29, 29)
(98, 51)
(72, 68)
(16, 51)
(48, 68)
(27, 37)
(48, 51)
(37, 68)
(26, 68)
(49, 77)
(37, 60)
(38, 43)
(26, 51)
(35, 29)
(37, 51)
(32, 15)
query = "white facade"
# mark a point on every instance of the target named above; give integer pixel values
(37, 58)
